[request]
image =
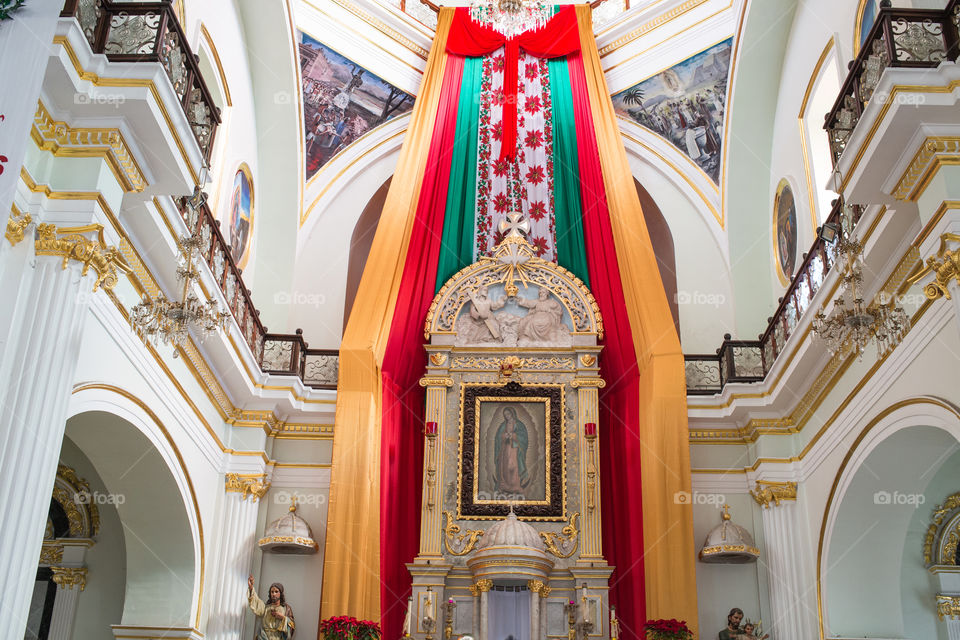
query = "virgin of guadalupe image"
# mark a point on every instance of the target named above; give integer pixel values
(510, 454)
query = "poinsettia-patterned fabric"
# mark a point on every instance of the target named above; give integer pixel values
(526, 184)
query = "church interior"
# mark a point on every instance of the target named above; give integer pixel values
(480, 319)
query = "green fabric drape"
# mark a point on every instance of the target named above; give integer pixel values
(456, 244)
(571, 251)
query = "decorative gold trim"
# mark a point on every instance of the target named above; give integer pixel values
(17, 223)
(857, 24)
(248, 249)
(649, 26)
(784, 279)
(729, 548)
(70, 577)
(934, 152)
(804, 146)
(481, 586)
(599, 383)
(304, 542)
(565, 543)
(70, 502)
(466, 541)
(62, 140)
(380, 26)
(68, 243)
(254, 486)
(931, 549)
(946, 267)
(437, 359)
(216, 61)
(948, 606)
(436, 381)
(767, 492)
(51, 553)
(588, 360)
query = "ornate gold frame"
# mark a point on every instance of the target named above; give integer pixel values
(784, 279)
(554, 506)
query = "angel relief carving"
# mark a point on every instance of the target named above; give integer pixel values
(513, 320)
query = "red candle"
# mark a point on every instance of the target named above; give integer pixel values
(590, 429)
(430, 429)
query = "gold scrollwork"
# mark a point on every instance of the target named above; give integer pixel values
(939, 537)
(588, 360)
(948, 606)
(463, 543)
(565, 543)
(72, 493)
(494, 363)
(945, 266)
(51, 553)
(17, 223)
(437, 359)
(70, 244)
(766, 492)
(70, 577)
(436, 381)
(254, 486)
(599, 383)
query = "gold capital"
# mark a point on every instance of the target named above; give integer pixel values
(773, 492)
(254, 486)
(948, 606)
(17, 223)
(436, 381)
(481, 586)
(71, 245)
(70, 577)
(945, 266)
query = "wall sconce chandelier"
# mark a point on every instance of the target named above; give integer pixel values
(510, 17)
(168, 321)
(854, 320)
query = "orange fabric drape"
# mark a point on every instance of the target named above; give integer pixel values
(351, 563)
(669, 559)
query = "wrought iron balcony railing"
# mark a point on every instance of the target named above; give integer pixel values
(150, 32)
(900, 38)
(751, 360)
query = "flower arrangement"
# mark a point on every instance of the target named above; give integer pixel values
(667, 630)
(7, 7)
(349, 628)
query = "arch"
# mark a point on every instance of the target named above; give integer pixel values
(115, 404)
(360, 243)
(931, 414)
(663, 248)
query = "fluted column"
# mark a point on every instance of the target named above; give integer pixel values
(41, 320)
(948, 610)
(482, 587)
(538, 592)
(591, 549)
(431, 504)
(789, 562)
(70, 582)
(238, 525)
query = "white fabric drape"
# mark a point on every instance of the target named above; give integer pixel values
(509, 615)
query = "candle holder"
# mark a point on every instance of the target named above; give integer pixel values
(571, 610)
(448, 608)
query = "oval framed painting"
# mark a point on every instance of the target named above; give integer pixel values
(867, 12)
(785, 232)
(240, 217)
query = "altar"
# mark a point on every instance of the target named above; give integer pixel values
(510, 541)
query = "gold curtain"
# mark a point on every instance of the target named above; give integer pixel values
(351, 562)
(669, 558)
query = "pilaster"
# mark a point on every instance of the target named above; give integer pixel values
(433, 430)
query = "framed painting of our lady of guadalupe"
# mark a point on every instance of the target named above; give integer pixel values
(511, 452)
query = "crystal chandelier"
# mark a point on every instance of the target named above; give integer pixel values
(853, 322)
(510, 17)
(168, 321)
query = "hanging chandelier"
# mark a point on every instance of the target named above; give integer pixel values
(510, 17)
(170, 322)
(854, 321)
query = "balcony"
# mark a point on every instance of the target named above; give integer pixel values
(751, 360)
(905, 38)
(150, 32)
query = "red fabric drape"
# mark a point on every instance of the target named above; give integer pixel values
(401, 438)
(559, 37)
(620, 479)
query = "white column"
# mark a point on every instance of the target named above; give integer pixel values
(42, 322)
(238, 525)
(70, 582)
(484, 612)
(535, 612)
(789, 562)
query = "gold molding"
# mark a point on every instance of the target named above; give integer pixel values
(254, 486)
(51, 552)
(481, 586)
(946, 267)
(380, 26)
(648, 26)
(932, 554)
(935, 152)
(216, 61)
(781, 275)
(767, 492)
(948, 606)
(62, 140)
(71, 505)
(436, 381)
(70, 577)
(728, 107)
(68, 243)
(569, 536)
(468, 539)
(599, 383)
(17, 224)
(538, 587)
(817, 70)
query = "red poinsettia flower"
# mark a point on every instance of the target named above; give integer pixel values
(539, 245)
(537, 210)
(535, 175)
(532, 70)
(498, 63)
(498, 131)
(534, 139)
(500, 168)
(533, 104)
(501, 203)
(498, 97)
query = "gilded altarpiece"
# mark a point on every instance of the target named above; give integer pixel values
(511, 493)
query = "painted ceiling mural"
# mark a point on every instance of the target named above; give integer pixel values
(341, 101)
(685, 104)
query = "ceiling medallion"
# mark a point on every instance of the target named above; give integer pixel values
(168, 321)
(510, 17)
(854, 321)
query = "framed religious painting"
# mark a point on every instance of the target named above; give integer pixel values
(511, 452)
(785, 232)
(241, 215)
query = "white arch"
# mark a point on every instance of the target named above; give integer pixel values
(915, 412)
(126, 406)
